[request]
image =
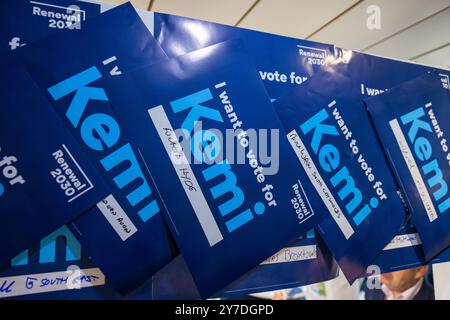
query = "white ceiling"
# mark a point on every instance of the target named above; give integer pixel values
(294, 18)
(416, 30)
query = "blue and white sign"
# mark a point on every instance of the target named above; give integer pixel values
(46, 180)
(330, 131)
(199, 120)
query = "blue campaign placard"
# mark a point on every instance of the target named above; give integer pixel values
(216, 200)
(372, 75)
(48, 270)
(411, 120)
(125, 233)
(46, 180)
(330, 131)
(283, 63)
(25, 21)
(405, 251)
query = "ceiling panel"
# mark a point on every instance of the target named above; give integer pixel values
(222, 11)
(350, 30)
(295, 18)
(440, 57)
(139, 4)
(432, 32)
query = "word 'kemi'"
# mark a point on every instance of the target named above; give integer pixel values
(101, 132)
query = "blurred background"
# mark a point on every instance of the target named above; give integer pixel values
(416, 30)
